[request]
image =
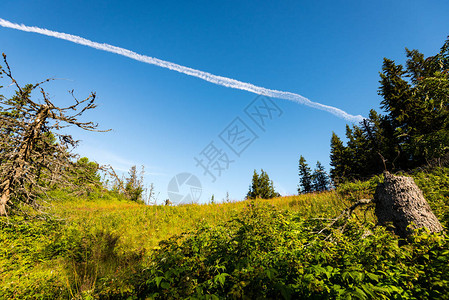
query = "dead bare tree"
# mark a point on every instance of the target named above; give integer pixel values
(34, 154)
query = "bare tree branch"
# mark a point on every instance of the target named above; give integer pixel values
(34, 154)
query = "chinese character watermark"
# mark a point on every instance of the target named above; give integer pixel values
(213, 161)
(261, 110)
(237, 136)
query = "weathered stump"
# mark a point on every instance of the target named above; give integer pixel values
(401, 203)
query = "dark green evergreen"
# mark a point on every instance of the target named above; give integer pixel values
(305, 177)
(320, 178)
(415, 128)
(261, 187)
(339, 160)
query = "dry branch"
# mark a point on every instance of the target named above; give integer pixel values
(34, 154)
(346, 213)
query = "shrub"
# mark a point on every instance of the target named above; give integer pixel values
(266, 253)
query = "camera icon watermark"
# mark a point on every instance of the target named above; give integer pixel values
(184, 188)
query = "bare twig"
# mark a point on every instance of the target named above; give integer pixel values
(34, 154)
(383, 160)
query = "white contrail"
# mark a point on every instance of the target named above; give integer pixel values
(223, 81)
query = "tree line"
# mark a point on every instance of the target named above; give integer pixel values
(412, 132)
(414, 129)
(316, 181)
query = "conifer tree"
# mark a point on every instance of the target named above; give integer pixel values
(134, 184)
(34, 154)
(415, 129)
(305, 177)
(320, 178)
(261, 187)
(338, 158)
(254, 189)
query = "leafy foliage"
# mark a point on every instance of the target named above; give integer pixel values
(286, 247)
(249, 249)
(266, 253)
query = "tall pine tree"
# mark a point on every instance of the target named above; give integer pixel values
(320, 178)
(339, 160)
(305, 177)
(415, 128)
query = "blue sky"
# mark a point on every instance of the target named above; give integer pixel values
(330, 52)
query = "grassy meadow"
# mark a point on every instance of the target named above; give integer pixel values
(102, 246)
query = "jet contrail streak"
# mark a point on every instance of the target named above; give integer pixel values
(220, 80)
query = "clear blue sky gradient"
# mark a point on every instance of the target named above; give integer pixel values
(326, 51)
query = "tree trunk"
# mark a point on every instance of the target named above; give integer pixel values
(4, 199)
(17, 169)
(401, 203)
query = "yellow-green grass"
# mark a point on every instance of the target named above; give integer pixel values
(143, 227)
(29, 262)
(38, 256)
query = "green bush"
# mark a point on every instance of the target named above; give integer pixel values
(266, 253)
(356, 190)
(101, 249)
(435, 187)
(29, 259)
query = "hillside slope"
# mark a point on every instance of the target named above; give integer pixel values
(102, 246)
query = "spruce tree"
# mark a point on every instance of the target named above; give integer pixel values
(267, 188)
(338, 159)
(254, 189)
(261, 187)
(415, 129)
(320, 178)
(134, 184)
(305, 177)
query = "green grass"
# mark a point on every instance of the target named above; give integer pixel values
(36, 252)
(103, 246)
(143, 227)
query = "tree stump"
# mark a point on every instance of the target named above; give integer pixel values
(401, 203)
